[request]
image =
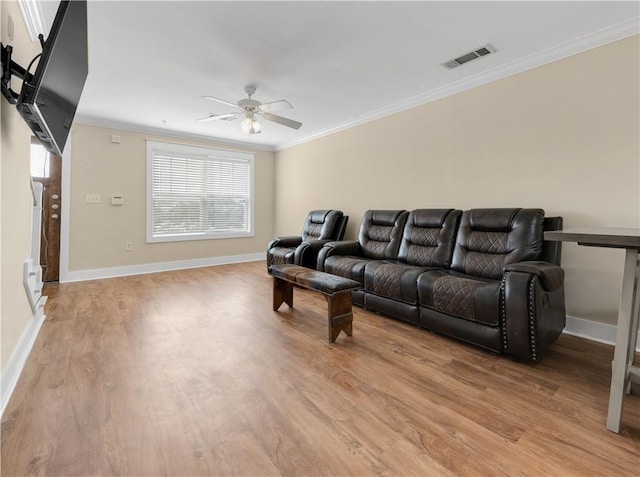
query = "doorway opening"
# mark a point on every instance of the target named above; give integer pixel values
(46, 168)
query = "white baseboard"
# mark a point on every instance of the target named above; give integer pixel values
(13, 369)
(32, 281)
(97, 273)
(594, 331)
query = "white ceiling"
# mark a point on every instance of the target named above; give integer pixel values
(338, 63)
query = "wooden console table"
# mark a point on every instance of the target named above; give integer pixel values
(623, 370)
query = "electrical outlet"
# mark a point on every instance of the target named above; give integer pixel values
(93, 199)
(128, 246)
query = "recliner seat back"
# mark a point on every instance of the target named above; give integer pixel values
(490, 239)
(381, 233)
(429, 237)
(321, 224)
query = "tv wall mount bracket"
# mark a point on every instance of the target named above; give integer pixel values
(10, 68)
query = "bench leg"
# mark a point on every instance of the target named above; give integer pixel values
(340, 315)
(282, 292)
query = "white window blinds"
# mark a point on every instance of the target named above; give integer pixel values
(198, 193)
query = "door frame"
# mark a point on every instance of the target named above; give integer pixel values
(65, 214)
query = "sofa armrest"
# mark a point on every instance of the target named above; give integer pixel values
(307, 252)
(533, 311)
(343, 247)
(551, 276)
(286, 241)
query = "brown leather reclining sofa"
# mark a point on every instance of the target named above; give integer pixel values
(485, 276)
(320, 227)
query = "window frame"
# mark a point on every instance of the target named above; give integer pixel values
(204, 153)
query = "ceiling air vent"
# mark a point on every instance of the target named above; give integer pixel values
(467, 57)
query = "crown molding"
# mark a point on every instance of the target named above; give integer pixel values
(136, 128)
(33, 17)
(581, 44)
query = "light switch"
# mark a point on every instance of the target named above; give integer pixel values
(93, 199)
(117, 200)
(10, 27)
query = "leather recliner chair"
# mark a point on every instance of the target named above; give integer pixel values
(427, 243)
(497, 293)
(378, 239)
(320, 227)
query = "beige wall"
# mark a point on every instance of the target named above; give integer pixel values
(15, 202)
(563, 137)
(98, 232)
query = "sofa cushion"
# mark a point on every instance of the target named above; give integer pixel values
(381, 232)
(280, 255)
(464, 296)
(490, 239)
(393, 279)
(347, 266)
(321, 225)
(429, 237)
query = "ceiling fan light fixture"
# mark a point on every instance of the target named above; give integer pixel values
(250, 125)
(249, 108)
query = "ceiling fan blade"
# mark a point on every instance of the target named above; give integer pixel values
(275, 105)
(280, 120)
(213, 98)
(223, 117)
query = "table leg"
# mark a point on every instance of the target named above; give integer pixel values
(340, 315)
(627, 321)
(282, 292)
(635, 318)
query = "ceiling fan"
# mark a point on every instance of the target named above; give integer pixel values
(250, 108)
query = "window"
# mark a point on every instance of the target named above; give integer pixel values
(39, 160)
(198, 193)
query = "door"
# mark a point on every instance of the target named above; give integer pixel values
(47, 169)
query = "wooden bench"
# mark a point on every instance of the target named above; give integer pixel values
(337, 291)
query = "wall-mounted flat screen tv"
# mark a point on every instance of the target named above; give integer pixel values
(49, 99)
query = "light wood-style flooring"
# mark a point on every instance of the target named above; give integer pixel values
(190, 373)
